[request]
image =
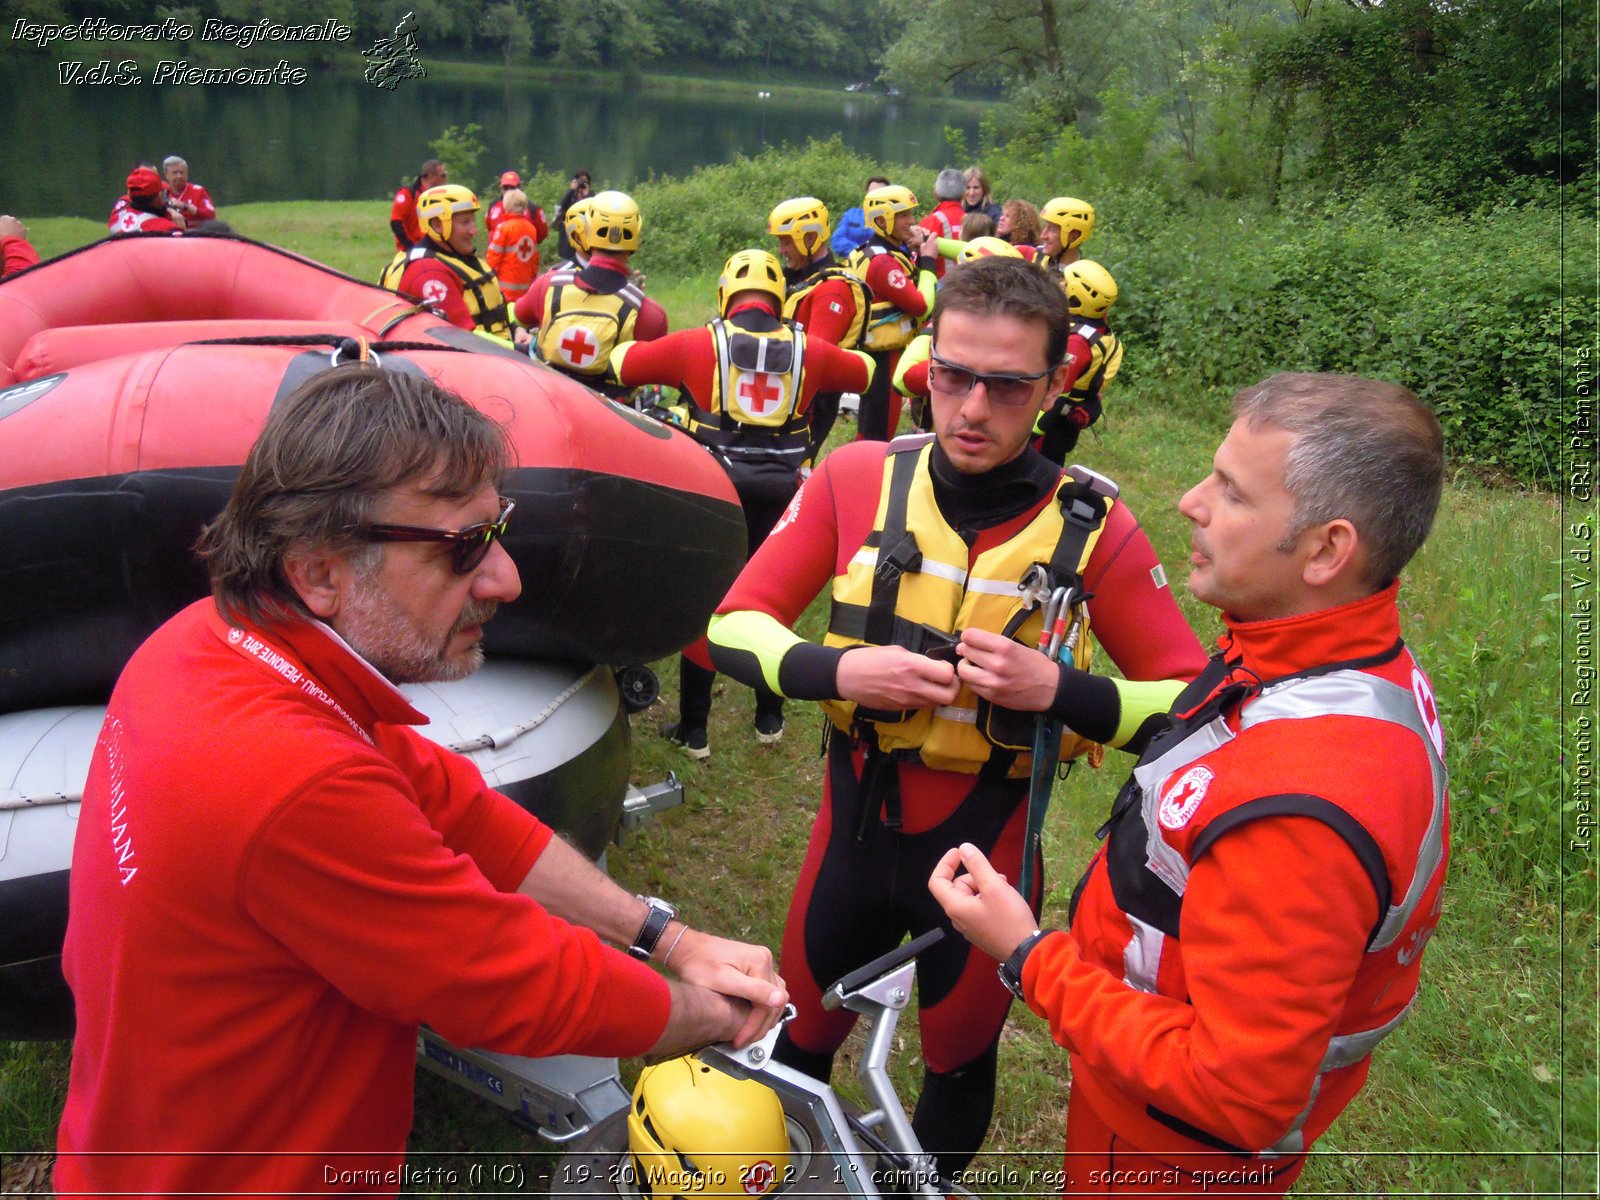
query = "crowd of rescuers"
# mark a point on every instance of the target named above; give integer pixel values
(867, 285)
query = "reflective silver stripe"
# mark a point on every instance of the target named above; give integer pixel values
(994, 587)
(1141, 957)
(1357, 694)
(948, 712)
(867, 556)
(1164, 861)
(1345, 1050)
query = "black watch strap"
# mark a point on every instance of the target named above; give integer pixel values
(660, 914)
(1010, 971)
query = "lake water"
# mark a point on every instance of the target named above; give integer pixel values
(337, 138)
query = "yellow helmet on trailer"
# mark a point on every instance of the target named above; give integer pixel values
(1069, 213)
(805, 219)
(694, 1131)
(883, 204)
(614, 222)
(987, 247)
(751, 270)
(576, 222)
(1090, 289)
(444, 202)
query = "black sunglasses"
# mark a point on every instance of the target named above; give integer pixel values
(1007, 391)
(470, 546)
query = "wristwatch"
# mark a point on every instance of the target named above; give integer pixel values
(1010, 971)
(655, 924)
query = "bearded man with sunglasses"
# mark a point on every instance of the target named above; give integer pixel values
(276, 880)
(925, 542)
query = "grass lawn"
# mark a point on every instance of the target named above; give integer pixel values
(1494, 1072)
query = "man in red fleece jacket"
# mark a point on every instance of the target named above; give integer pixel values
(276, 880)
(1255, 924)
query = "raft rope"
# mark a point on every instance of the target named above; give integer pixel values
(327, 339)
(488, 741)
(504, 737)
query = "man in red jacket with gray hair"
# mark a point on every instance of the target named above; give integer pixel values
(276, 880)
(1255, 924)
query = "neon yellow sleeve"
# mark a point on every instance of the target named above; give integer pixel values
(1141, 700)
(917, 351)
(755, 633)
(950, 247)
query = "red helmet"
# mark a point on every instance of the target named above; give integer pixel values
(143, 181)
(510, 179)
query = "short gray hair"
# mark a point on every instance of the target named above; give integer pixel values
(173, 160)
(1365, 450)
(329, 453)
(950, 184)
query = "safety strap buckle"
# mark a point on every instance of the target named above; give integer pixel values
(896, 560)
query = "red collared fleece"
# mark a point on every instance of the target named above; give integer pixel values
(275, 882)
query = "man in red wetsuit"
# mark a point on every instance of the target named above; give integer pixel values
(580, 314)
(444, 272)
(144, 208)
(1255, 923)
(925, 542)
(899, 266)
(277, 880)
(190, 200)
(403, 212)
(16, 252)
(750, 376)
(828, 301)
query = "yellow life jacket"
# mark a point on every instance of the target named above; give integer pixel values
(852, 340)
(1105, 360)
(750, 416)
(889, 327)
(916, 590)
(480, 289)
(581, 327)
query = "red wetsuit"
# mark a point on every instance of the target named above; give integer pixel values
(944, 221)
(1226, 975)
(863, 885)
(203, 209)
(887, 280)
(828, 311)
(650, 324)
(276, 881)
(688, 360)
(16, 254)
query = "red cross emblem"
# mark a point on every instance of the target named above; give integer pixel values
(1183, 797)
(1422, 692)
(525, 249)
(578, 347)
(758, 395)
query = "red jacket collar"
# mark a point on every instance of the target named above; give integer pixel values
(608, 262)
(316, 649)
(1272, 649)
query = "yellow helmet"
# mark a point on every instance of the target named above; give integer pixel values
(694, 1131)
(883, 204)
(614, 222)
(751, 270)
(1090, 289)
(576, 222)
(1070, 214)
(987, 247)
(444, 202)
(804, 218)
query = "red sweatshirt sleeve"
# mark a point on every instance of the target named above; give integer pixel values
(651, 323)
(1078, 355)
(530, 309)
(351, 876)
(888, 281)
(541, 227)
(1132, 611)
(1267, 983)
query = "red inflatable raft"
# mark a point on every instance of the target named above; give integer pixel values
(136, 373)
